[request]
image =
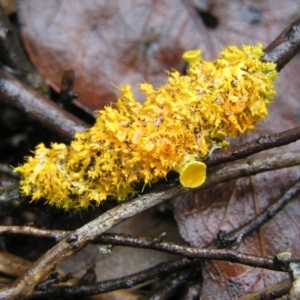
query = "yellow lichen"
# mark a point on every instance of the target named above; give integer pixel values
(178, 123)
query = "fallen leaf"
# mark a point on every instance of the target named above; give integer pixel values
(106, 43)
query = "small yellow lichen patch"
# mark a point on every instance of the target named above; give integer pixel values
(133, 142)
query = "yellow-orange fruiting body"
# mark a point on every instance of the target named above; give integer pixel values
(178, 123)
(192, 174)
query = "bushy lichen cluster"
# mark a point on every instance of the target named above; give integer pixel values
(135, 142)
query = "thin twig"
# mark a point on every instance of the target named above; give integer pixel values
(56, 235)
(285, 46)
(215, 175)
(262, 143)
(169, 247)
(224, 239)
(251, 166)
(159, 270)
(15, 93)
(271, 292)
(168, 287)
(192, 252)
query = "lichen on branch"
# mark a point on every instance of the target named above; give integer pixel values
(179, 123)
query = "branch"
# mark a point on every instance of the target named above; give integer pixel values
(56, 235)
(250, 166)
(159, 270)
(285, 46)
(156, 244)
(262, 143)
(271, 292)
(192, 252)
(216, 175)
(169, 286)
(15, 93)
(224, 239)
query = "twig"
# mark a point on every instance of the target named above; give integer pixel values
(155, 244)
(168, 287)
(56, 235)
(54, 279)
(250, 166)
(192, 252)
(15, 93)
(216, 175)
(271, 292)
(236, 170)
(67, 94)
(225, 239)
(262, 143)
(285, 46)
(159, 270)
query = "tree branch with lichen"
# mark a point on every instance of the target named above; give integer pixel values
(178, 125)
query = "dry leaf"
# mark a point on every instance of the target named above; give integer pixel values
(106, 43)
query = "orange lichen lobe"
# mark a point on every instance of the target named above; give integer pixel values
(180, 122)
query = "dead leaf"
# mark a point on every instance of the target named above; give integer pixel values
(106, 43)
